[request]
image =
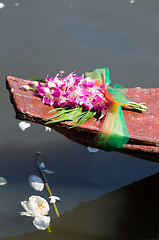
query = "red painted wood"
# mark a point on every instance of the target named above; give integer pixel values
(143, 127)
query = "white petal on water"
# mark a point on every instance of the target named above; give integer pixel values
(53, 199)
(41, 222)
(48, 129)
(48, 171)
(42, 165)
(3, 181)
(1, 5)
(16, 4)
(92, 150)
(24, 125)
(36, 183)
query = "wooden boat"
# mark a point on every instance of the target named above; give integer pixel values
(143, 128)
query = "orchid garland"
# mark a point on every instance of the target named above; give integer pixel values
(72, 91)
(77, 98)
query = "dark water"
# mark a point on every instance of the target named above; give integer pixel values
(40, 37)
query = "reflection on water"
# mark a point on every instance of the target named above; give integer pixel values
(42, 37)
(76, 180)
(128, 213)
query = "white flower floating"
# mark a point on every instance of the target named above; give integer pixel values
(36, 183)
(37, 207)
(24, 125)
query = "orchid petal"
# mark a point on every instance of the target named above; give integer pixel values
(71, 92)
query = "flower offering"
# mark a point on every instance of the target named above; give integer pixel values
(79, 98)
(73, 91)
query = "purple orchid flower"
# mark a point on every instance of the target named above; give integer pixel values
(73, 90)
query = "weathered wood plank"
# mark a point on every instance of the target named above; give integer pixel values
(143, 127)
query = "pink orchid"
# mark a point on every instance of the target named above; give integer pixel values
(73, 90)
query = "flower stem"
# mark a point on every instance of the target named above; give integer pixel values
(46, 183)
(49, 229)
(50, 194)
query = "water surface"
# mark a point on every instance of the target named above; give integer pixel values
(43, 37)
